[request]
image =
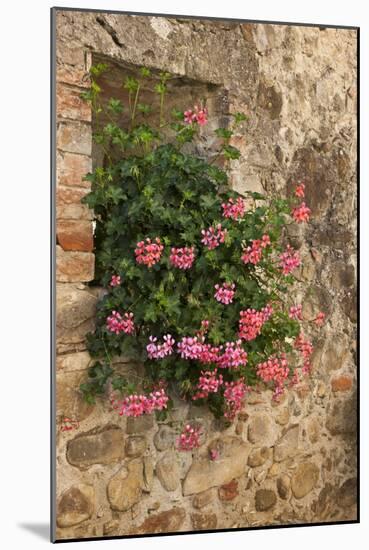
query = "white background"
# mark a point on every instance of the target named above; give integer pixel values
(24, 234)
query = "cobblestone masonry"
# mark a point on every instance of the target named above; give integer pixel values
(292, 462)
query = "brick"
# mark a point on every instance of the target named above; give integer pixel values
(69, 206)
(71, 168)
(74, 137)
(229, 491)
(70, 105)
(74, 76)
(341, 383)
(74, 267)
(75, 235)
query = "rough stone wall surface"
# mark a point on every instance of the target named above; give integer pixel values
(286, 463)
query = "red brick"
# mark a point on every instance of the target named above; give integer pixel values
(228, 491)
(70, 105)
(341, 383)
(71, 169)
(75, 235)
(74, 76)
(72, 267)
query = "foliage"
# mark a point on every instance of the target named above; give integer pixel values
(152, 187)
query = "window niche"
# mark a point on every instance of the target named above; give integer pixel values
(182, 93)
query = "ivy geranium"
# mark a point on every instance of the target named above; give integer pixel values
(197, 276)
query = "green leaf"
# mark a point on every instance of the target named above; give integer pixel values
(115, 105)
(231, 152)
(224, 133)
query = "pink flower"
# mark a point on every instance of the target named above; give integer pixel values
(198, 115)
(231, 356)
(300, 191)
(306, 349)
(234, 210)
(116, 323)
(295, 379)
(209, 382)
(182, 258)
(295, 312)
(213, 237)
(253, 253)
(274, 370)
(189, 116)
(208, 354)
(149, 253)
(139, 404)
(301, 213)
(225, 293)
(190, 348)
(265, 241)
(319, 320)
(234, 395)
(189, 438)
(159, 351)
(201, 116)
(289, 260)
(115, 280)
(213, 454)
(252, 321)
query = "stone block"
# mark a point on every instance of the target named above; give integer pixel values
(70, 105)
(73, 266)
(71, 169)
(75, 235)
(74, 137)
(105, 446)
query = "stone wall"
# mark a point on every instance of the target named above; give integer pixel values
(287, 463)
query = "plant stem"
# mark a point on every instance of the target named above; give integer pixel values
(135, 105)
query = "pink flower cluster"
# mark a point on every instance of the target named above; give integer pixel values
(301, 213)
(289, 260)
(233, 356)
(295, 312)
(232, 209)
(274, 370)
(115, 280)
(252, 321)
(190, 347)
(253, 253)
(182, 258)
(209, 382)
(189, 438)
(306, 349)
(116, 323)
(209, 354)
(149, 253)
(139, 404)
(300, 191)
(198, 115)
(225, 293)
(159, 351)
(234, 395)
(213, 237)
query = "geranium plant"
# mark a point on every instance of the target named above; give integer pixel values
(197, 276)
